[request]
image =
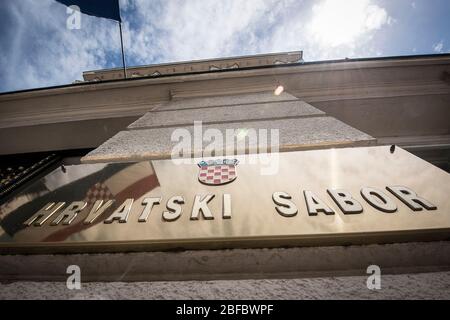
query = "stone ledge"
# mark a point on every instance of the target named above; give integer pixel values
(232, 264)
(221, 101)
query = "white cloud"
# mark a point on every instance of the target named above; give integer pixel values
(184, 30)
(438, 47)
(38, 50)
(336, 22)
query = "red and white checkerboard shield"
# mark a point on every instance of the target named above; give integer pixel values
(217, 174)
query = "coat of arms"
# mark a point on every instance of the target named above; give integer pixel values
(217, 172)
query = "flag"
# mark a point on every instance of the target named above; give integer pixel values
(100, 8)
(109, 9)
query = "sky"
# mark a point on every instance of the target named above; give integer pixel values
(38, 50)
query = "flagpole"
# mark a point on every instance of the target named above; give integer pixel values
(123, 55)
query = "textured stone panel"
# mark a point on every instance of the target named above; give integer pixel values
(294, 134)
(405, 286)
(238, 113)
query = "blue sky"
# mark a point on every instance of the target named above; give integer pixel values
(37, 50)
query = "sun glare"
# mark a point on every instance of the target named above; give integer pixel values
(336, 23)
(279, 90)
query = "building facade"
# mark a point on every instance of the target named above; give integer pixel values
(248, 177)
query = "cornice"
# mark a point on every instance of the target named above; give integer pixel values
(113, 99)
(231, 74)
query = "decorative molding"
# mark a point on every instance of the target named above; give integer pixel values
(379, 91)
(27, 114)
